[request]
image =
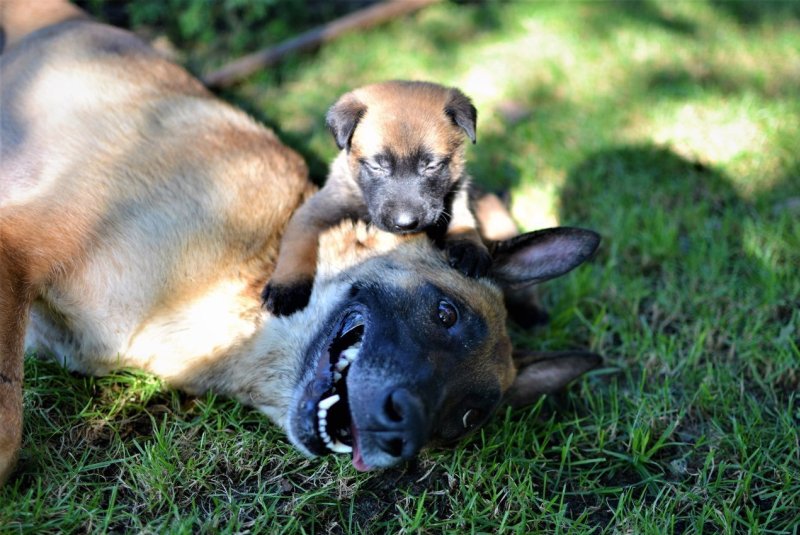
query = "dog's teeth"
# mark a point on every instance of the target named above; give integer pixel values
(327, 403)
(337, 376)
(324, 434)
(350, 353)
(341, 364)
(322, 413)
(338, 447)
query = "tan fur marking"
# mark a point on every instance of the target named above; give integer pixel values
(408, 117)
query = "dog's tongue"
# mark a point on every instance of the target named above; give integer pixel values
(358, 461)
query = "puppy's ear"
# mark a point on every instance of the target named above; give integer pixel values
(343, 117)
(461, 111)
(544, 373)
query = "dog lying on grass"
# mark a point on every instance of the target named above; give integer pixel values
(140, 215)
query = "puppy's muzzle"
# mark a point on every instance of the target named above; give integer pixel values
(402, 218)
(405, 222)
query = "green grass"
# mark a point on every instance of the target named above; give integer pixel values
(673, 129)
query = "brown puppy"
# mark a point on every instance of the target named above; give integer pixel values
(401, 167)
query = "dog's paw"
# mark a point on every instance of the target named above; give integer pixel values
(286, 299)
(470, 258)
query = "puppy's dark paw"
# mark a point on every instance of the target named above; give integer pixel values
(285, 299)
(470, 258)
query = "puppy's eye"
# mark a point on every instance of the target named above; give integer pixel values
(433, 167)
(447, 314)
(374, 167)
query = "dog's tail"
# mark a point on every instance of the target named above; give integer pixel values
(18, 18)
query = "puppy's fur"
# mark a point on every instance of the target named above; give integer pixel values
(401, 167)
(139, 216)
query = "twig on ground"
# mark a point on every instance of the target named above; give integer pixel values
(359, 20)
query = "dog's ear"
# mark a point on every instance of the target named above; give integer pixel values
(541, 255)
(343, 117)
(461, 111)
(544, 373)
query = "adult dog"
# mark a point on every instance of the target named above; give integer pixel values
(140, 217)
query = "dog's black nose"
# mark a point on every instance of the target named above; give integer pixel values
(405, 222)
(404, 425)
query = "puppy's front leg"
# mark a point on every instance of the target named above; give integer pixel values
(465, 248)
(289, 288)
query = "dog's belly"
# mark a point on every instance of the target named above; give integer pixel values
(170, 343)
(105, 317)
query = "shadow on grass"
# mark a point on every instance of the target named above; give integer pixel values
(685, 278)
(646, 13)
(683, 228)
(684, 83)
(749, 13)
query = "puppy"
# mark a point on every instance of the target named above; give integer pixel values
(401, 168)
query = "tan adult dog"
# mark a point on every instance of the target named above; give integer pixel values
(140, 215)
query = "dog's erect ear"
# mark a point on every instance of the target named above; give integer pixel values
(544, 373)
(343, 117)
(461, 111)
(540, 255)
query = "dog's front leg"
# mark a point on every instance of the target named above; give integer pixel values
(465, 248)
(14, 305)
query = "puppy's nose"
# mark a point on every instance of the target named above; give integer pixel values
(405, 222)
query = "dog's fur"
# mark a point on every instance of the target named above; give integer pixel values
(401, 167)
(139, 216)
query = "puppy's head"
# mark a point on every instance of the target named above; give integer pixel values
(404, 143)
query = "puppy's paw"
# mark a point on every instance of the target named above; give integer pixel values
(470, 258)
(283, 299)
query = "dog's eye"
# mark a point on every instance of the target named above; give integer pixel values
(447, 314)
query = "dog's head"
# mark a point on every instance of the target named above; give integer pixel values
(411, 353)
(404, 144)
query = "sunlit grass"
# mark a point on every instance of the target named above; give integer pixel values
(671, 128)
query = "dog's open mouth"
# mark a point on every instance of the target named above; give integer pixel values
(334, 422)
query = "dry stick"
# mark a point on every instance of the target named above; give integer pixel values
(365, 18)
